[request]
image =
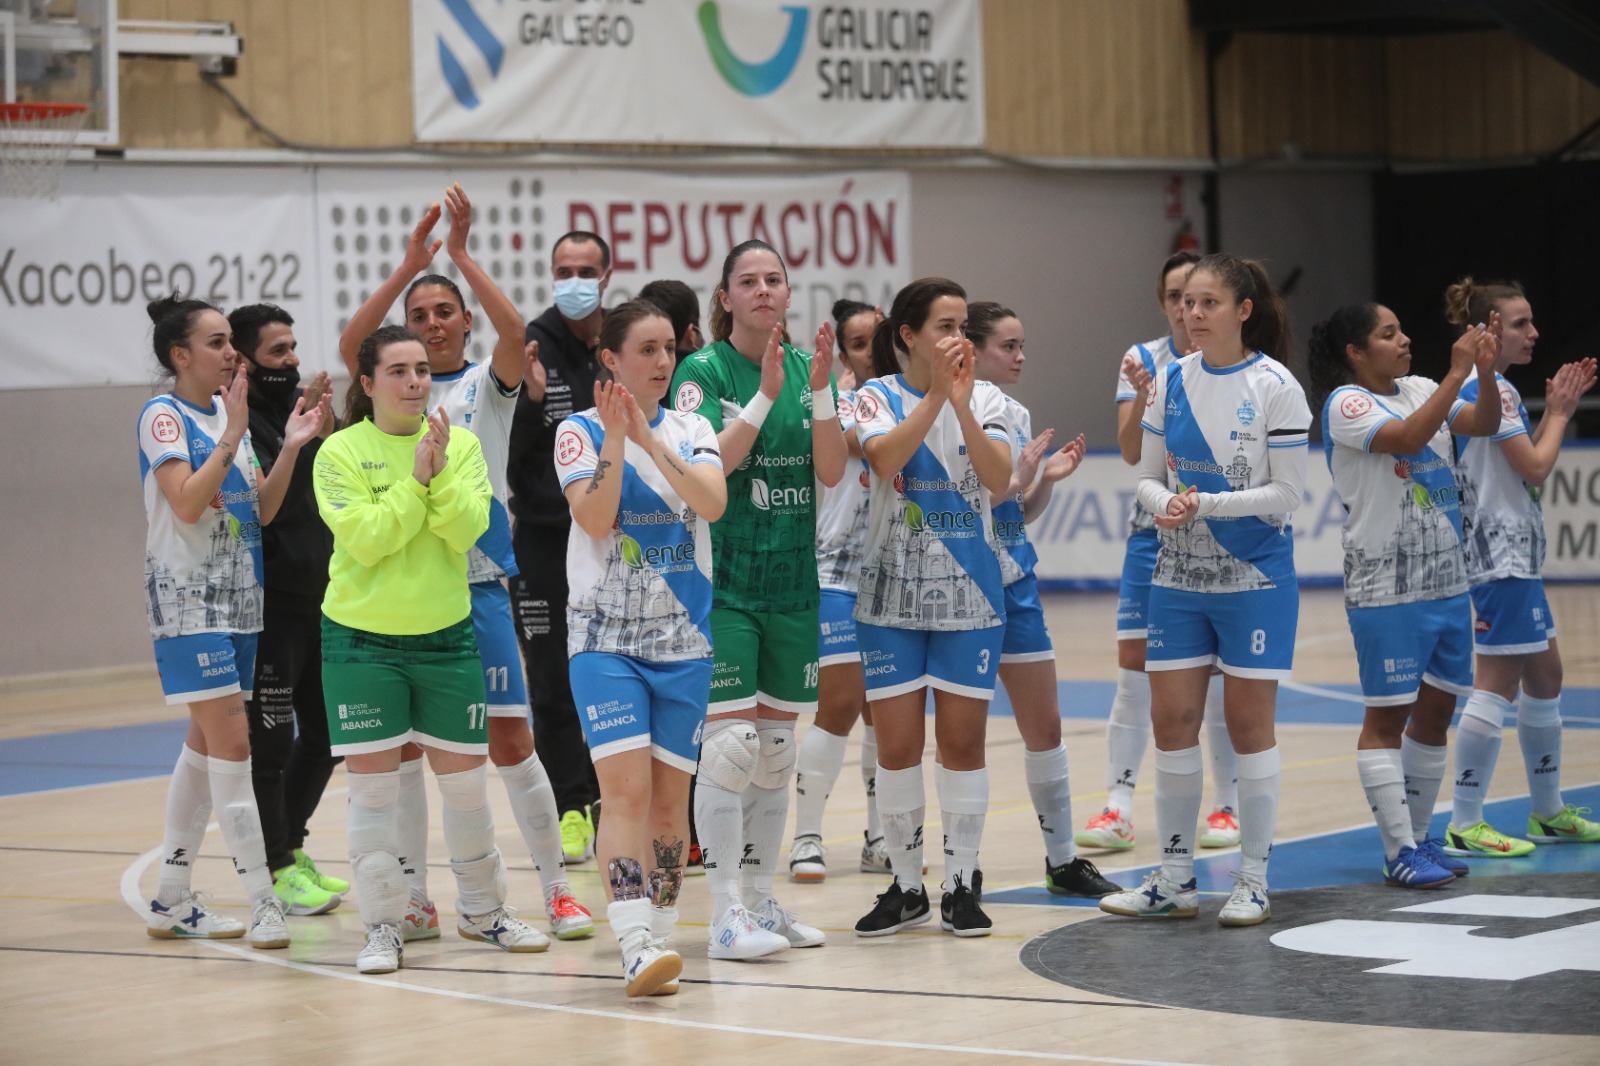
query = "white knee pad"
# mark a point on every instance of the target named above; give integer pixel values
(729, 752)
(1484, 713)
(777, 755)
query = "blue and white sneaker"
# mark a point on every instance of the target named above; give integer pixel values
(1433, 849)
(1158, 897)
(189, 918)
(499, 928)
(1413, 869)
(1248, 904)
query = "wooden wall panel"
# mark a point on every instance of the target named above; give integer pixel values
(1077, 79)
(1488, 96)
(320, 72)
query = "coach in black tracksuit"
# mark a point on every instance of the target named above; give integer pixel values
(567, 333)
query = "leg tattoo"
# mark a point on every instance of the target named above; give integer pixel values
(627, 879)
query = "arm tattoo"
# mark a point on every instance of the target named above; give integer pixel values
(599, 475)
(666, 457)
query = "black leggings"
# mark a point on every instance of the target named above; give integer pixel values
(290, 766)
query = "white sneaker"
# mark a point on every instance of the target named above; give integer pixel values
(266, 925)
(806, 862)
(787, 924)
(1248, 905)
(875, 856)
(569, 919)
(188, 918)
(383, 951)
(648, 965)
(1108, 829)
(421, 921)
(505, 932)
(736, 936)
(1222, 829)
(1158, 897)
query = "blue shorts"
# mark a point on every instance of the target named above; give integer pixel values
(897, 661)
(497, 647)
(1247, 634)
(626, 704)
(1027, 640)
(1513, 617)
(837, 622)
(1133, 600)
(1400, 647)
(205, 666)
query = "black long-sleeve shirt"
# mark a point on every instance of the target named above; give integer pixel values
(571, 370)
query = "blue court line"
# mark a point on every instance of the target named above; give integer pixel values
(1354, 856)
(127, 753)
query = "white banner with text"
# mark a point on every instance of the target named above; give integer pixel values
(718, 72)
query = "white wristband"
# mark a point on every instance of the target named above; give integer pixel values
(822, 407)
(755, 412)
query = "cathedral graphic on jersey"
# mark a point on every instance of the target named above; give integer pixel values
(1422, 560)
(633, 612)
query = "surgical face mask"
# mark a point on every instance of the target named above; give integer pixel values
(577, 298)
(276, 385)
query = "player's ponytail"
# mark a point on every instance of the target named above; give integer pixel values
(1469, 302)
(1328, 351)
(1267, 328)
(173, 317)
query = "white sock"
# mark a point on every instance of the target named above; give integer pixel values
(188, 811)
(234, 796)
(1424, 767)
(816, 769)
(628, 918)
(1180, 785)
(533, 804)
(964, 804)
(903, 805)
(1127, 735)
(1477, 750)
(1539, 734)
(1051, 791)
(1259, 779)
(719, 820)
(372, 823)
(869, 778)
(468, 822)
(766, 812)
(412, 819)
(1224, 763)
(1383, 779)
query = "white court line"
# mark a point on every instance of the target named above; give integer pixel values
(165, 775)
(135, 900)
(1325, 693)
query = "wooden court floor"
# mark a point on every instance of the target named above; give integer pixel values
(80, 982)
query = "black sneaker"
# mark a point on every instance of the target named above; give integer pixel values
(959, 912)
(895, 910)
(1077, 878)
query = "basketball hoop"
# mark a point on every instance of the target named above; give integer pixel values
(34, 141)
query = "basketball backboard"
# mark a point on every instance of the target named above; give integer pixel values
(62, 51)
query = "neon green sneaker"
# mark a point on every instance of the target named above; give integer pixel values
(299, 894)
(1568, 827)
(1485, 841)
(337, 886)
(577, 836)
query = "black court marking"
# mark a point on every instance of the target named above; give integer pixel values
(599, 977)
(1200, 965)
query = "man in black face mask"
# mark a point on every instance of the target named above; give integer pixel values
(289, 771)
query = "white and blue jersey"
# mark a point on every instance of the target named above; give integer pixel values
(842, 514)
(203, 577)
(474, 398)
(1155, 356)
(1402, 529)
(1502, 517)
(645, 590)
(1237, 434)
(930, 564)
(1016, 553)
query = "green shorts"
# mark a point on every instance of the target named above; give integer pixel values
(765, 657)
(383, 690)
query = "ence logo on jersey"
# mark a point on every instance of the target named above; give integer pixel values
(941, 523)
(639, 557)
(765, 497)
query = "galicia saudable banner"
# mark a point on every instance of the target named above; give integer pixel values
(898, 73)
